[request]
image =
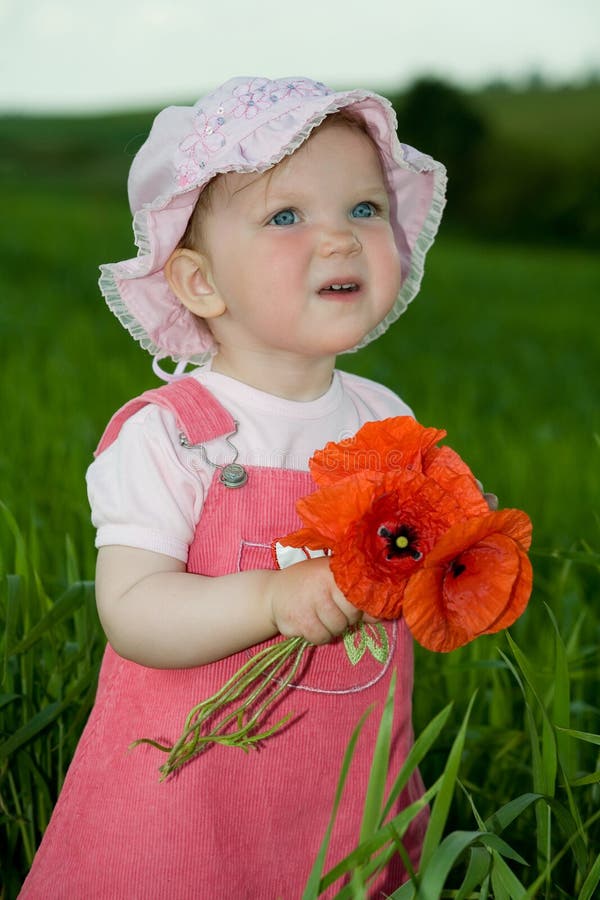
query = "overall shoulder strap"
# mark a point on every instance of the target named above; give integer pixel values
(198, 414)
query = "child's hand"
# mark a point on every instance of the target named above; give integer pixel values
(305, 601)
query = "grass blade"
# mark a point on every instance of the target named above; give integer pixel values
(546, 780)
(439, 814)
(540, 779)
(588, 888)
(561, 706)
(480, 861)
(13, 589)
(379, 767)
(389, 832)
(581, 735)
(66, 604)
(377, 777)
(504, 881)
(549, 750)
(533, 889)
(504, 816)
(417, 752)
(594, 778)
(312, 890)
(445, 856)
(45, 716)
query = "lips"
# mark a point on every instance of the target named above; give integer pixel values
(340, 288)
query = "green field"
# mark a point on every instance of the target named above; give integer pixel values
(562, 119)
(501, 348)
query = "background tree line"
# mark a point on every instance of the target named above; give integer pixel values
(521, 164)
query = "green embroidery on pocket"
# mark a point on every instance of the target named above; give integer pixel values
(360, 638)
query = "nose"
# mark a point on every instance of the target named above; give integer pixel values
(339, 240)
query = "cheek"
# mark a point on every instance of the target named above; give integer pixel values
(388, 267)
(395, 269)
(289, 250)
(284, 263)
(228, 275)
(384, 253)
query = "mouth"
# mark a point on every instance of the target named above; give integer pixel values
(339, 288)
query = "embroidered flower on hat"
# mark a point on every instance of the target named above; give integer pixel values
(252, 98)
(299, 87)
(259, 94)
(188, 173)
(205, 139)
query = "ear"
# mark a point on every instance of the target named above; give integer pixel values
(189, 277)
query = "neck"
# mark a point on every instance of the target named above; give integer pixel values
(284, 376)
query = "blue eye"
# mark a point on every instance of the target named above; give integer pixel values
(284, 217)
(364, 210)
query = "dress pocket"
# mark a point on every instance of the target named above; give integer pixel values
(254, 556)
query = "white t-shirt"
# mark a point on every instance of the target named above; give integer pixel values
(147, 491)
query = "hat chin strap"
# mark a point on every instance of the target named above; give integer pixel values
(178, 373)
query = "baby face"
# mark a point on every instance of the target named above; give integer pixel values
(303, 255)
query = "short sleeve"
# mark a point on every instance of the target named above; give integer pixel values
(374, 400)
(141, 491)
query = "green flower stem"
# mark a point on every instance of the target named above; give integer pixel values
(192, 741)
(269, 666)
(251, 683)
(243, 678)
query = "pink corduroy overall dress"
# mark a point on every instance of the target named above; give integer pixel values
(228, 824)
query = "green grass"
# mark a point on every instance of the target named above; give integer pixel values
(501, 349)
(558, 806)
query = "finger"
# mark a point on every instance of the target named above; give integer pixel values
(351, 612)
(317, 637)
(318, 634)
(333, 619)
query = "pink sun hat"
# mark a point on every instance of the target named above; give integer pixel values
(249, 125)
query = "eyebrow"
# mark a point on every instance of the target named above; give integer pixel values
(283, 195)
(232, 194)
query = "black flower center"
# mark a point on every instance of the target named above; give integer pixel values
(401, 542)
(457, 568)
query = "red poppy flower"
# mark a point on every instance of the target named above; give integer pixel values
(394, 444)
(476, 580)
(379, 528)
(383, 446)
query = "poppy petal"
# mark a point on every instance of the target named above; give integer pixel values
(383, 446)
(513, 522)
(476, 580)
(519, 598)
(482, 589)
(329, 512)
(426, 615)
(448, 469)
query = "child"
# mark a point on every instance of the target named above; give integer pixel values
(279, 223)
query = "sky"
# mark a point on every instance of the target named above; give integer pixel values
(100, 55)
